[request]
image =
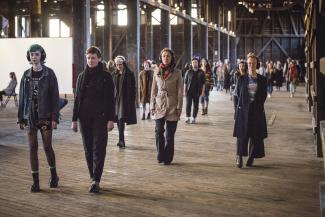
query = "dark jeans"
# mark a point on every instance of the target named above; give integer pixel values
(189, 99)
(165, 149)
(94, 136)
(121, 128)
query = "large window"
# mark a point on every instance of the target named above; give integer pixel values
(122, 15)
(20, 25)
(194, 12)
(58, 28)
(100, 15)
(156, 18)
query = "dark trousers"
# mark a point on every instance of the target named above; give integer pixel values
(189, 99)
(121, 128)
(256, 143)
(165, 145)
(94, 136)
(255, 149)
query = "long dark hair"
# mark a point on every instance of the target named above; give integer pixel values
(13, 76)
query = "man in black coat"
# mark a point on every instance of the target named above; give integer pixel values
(125, 93)
(94, 108)
(250, 122)
(193, 88)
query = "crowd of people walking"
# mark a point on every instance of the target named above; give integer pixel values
(106, 94)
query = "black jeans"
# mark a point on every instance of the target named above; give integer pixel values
(94, 136)
(121, 128)
(189, 99)
(165, 145)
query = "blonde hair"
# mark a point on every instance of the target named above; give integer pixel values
(251, 55)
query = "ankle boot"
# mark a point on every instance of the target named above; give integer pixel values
(148, 116)
(35, 187)
(143, 116)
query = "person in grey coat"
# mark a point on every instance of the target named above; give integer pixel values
(250, 122)
(10, 89)
(125, 94)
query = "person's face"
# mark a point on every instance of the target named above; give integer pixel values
(204, 62)
(120, 66)
(195, 64)
(242, 67)
(251, 64)
(35, 57)
(166, 58)
(146, 66)
(92, 60)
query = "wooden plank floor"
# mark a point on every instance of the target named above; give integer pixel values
(203, 181)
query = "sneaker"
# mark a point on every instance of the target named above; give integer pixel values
(193, 121)
(187, 120)
(53, 182)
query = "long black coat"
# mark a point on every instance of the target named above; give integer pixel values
(243, 106)
(125, 100)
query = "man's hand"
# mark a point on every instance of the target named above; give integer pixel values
(110, 125)
(54, 125)
(74, 126)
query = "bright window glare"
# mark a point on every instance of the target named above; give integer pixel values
(100, 18)
(173, 19)
(194, 14)
(100, 7)
(65, 30)
(122, 15)
(155, 17)
(54, 27)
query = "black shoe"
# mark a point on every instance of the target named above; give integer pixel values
(35, 188)
(250, 162)
(122, 144)
(53, 182)
(143, 117)
(239, 161)
(160, 161)
(94, 188)
(167, 163)
(148, 116)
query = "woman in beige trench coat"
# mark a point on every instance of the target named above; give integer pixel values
(166, 104)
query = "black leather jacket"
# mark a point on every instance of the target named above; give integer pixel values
(48, 96)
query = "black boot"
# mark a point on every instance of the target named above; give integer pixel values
(143, 116)
(35, 187)
(122, 144)
(250, 161)
(239, 161)
(54, 180)
(94, 188)
(148, 116)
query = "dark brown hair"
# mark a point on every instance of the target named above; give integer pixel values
(94, 50)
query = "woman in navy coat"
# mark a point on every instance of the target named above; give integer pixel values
(250, 122)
